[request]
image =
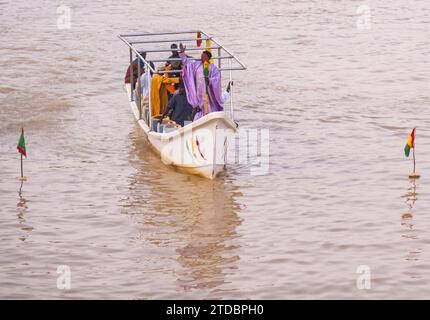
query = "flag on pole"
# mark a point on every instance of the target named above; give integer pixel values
(21, 144)
(206, 75)
(208, 46)
(199, 41)
(410, 144)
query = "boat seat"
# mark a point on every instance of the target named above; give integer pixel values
(166, 125)
(170, 127)
(155, 120)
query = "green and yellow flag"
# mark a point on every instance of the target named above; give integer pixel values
(206, 75)
(411, 143)
(208, 48)
(21, 144)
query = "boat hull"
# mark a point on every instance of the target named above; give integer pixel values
(198, 148)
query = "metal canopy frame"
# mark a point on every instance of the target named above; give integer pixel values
(132, 39)
(220, 54)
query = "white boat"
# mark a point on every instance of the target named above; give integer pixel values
(199, 147)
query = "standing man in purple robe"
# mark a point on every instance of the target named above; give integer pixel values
(196, 83)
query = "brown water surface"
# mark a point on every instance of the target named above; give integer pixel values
(340, 102)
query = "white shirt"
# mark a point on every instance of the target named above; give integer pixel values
(144, 84)
(225, 96)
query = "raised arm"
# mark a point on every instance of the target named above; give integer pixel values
(182, 55)
(189, 76)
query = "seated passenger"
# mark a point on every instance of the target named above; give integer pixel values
(178, 108)
(144, 89)
(134, 66)
(174, 55)
(175, 64)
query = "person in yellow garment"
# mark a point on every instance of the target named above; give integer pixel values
(159, 89)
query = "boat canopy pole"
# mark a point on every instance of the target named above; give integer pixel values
(157, 34)
(149, 100)
(231, 94)
(131, 74)
(133, 49)
(170, 40)
(194, 59)
(220, 57)
(236, 58)
(138, 89)
(177, 71)
(188, 49)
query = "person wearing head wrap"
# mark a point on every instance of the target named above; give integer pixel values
(134, 66)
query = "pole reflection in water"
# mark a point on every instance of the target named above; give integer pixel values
(21, 209)
(195, 217)
(408, 220)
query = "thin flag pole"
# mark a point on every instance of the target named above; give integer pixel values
(206, 66)
(414, 174)
(22, 168)
(22, 150)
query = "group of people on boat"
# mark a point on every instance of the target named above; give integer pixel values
(186, 95)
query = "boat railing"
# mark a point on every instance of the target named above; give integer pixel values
(141, 42)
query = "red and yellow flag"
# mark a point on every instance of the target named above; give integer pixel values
(411, 143)
(198, 40)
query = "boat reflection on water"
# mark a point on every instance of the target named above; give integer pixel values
(194, 216)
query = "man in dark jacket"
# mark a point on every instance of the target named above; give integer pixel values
(178, 108)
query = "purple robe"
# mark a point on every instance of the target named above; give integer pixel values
(194, 82)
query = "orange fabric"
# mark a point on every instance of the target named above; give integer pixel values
(170, 84)
(167, 81)
(159, 98)
(159, 88)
